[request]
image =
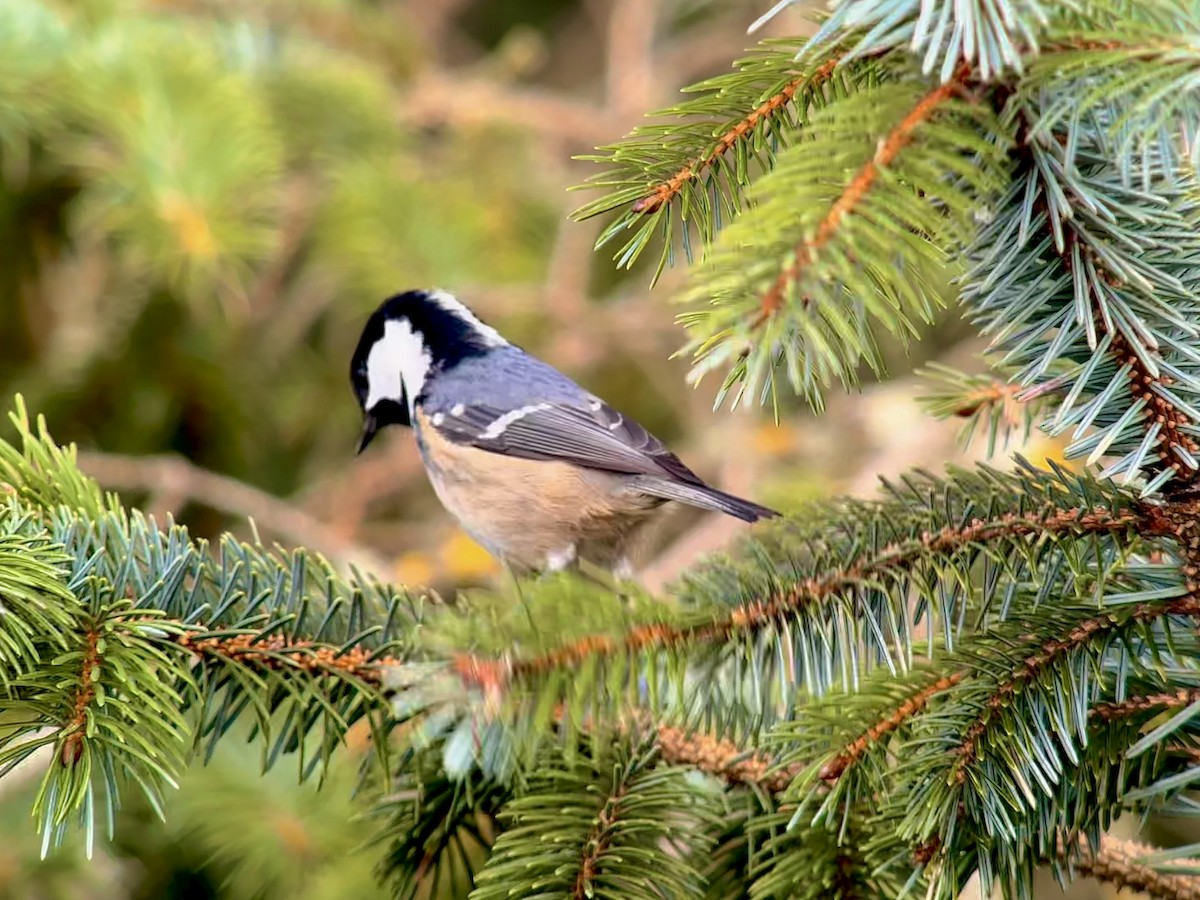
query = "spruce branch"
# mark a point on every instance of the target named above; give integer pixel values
(1118, 862)
(597, 843)
(272, 652)
(436, 827)
(666, 191)
(1135, 82)
(608, 824)
(943, 34)
(1019, 770)
(494, 676)
(689, 175)
(114, 722)
(107, 671)
(1131, 706)
(722, 758)
(35, 600)
(851, 232)
(910, 706)
(811, 863)
(1032, 667)
(1104, 292)
(85, 693)
(1001, 409)
(852, 195)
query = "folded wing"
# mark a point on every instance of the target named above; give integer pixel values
(593, 435)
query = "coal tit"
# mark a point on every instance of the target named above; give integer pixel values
(536, 469)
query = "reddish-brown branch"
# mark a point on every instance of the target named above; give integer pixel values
(726, 760)
(494, 675)
(1052, 650)
(1143, 383)
(1131, 706)
(1115, 862)
(76, 726)
(889, 148)
(1158, 409)
(1146, 49)
(666, 191)
(995, 394)
(834, 769)
(277, 653)
(843, 877)
(723, 759)
(597, 842)
(924, 853)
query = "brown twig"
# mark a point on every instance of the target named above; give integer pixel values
(456, 99)
(276, 653)
(177, 476)
(596, 843)
(836, 767)
(666, 191)
(1131, 706)
(995, 394)
(494, 675)
(1116, 863)
(76, 726)
(723, 759)
(629, 55)
(845, 884)
(889, 148)
(1083, 633)
(296, 216)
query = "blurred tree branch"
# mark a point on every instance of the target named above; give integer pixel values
(178, 479)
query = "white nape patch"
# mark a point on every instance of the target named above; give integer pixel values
(451, 304)
(397, 364)
(439, 418)
(457, 409)
(556, 562)
(498, 426)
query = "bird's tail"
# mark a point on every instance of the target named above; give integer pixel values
(703, 496)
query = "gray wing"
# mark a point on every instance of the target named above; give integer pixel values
(593, 435)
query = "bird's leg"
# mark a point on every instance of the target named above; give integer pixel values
(511, 576)
(614, 579)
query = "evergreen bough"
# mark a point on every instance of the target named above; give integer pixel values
(972, 675)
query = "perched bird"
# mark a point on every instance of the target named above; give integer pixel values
(536, 469)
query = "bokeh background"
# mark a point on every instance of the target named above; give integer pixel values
(200, 203)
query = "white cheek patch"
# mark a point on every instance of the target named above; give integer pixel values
(397, 364)
(447, 301)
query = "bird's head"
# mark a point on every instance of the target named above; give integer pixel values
(405, 342)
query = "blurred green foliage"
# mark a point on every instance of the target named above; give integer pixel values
(196, 213)
(200, 202)
(231, 832)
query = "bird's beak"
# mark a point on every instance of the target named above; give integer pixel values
(370, 427)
